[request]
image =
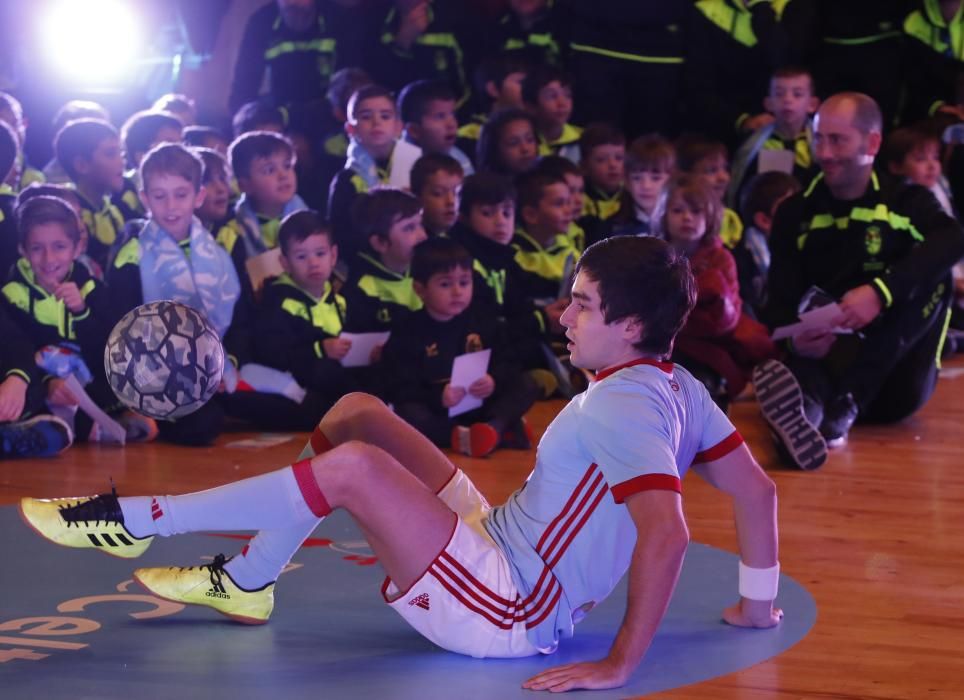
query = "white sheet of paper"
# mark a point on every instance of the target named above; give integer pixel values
(821, 317)
(362, 345)
(780, 161)
(260, 267)
(87, 405)
(403, 158)
(465, 370)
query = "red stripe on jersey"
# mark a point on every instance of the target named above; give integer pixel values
(549, 608)
(319, 441)
(565, 508)
(552, 590)
(720, 449)
(310, 490)
(579, 525)
(548, 554)
(646, 482)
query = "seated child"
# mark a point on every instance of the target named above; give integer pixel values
(914, 154)
(26, 430)
(67, 316)
(603, 149)
(373, 129)
(792, 102)
(89, 150)
(708, 162)
(175, 257)
(508, 144)
(719, 344)
(498, 87)
(762, 196)
(206, 137)
(264, 163)
(70, 196)
(22, 174)
(485, 229)
(181, 106)
(72, 110)
(390, 220)
(650, 161)
(436, 180)
(543, 247)
(302, 317)
(427, 109)
(419, 355)
(139, 134)
(214, 211)
(9, 238)
(583, 229)
(334, 141)
(547, 94)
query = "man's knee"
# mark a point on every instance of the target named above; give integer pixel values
(352, 414)
(348, 467)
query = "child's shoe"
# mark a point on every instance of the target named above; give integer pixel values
(138, 428)
(40, 436)
(476, 440)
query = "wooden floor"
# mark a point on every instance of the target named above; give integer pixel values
(876, 535)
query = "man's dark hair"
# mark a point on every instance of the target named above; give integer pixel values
(79, 139)
(38, 211)
(485, 188)
(45, 189)
(643, 278)
(140, 130)
(256, 144)
(600, 134)
(343, 85)
(436, 255)
(763, 191)
(538, 78)
(429, 164)
(301, 224)
(374, 212)
(487, 153)
(532, 185)
(214, 164)
(255, 116)
(414, 99)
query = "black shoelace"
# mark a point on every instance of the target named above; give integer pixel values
(103, 508)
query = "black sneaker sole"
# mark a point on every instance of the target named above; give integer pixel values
(781, 403)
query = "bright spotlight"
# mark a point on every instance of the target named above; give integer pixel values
(92, 42)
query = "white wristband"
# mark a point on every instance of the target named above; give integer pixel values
(759, 584)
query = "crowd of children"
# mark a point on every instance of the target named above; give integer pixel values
(446, 239)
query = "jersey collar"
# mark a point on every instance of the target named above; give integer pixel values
(665, 366)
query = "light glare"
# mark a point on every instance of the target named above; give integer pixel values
(92, 41)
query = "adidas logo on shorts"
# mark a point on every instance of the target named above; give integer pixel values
(420, 601)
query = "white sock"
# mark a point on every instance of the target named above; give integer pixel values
(266, 502)
(263, 560)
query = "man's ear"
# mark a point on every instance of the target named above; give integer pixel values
(349, 129)
(874, 140)
(414, 130)
(199, 198)
(334, 254)
(768, 104)
(142, 195)
(814, 104)
(762, 221)
(491, 89)
(285, 265)
(633, 330)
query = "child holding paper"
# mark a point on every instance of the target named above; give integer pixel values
(299, 327)
(418, 361)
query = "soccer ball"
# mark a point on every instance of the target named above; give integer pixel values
(164, 360)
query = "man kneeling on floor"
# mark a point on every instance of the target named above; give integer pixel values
(512, 580)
